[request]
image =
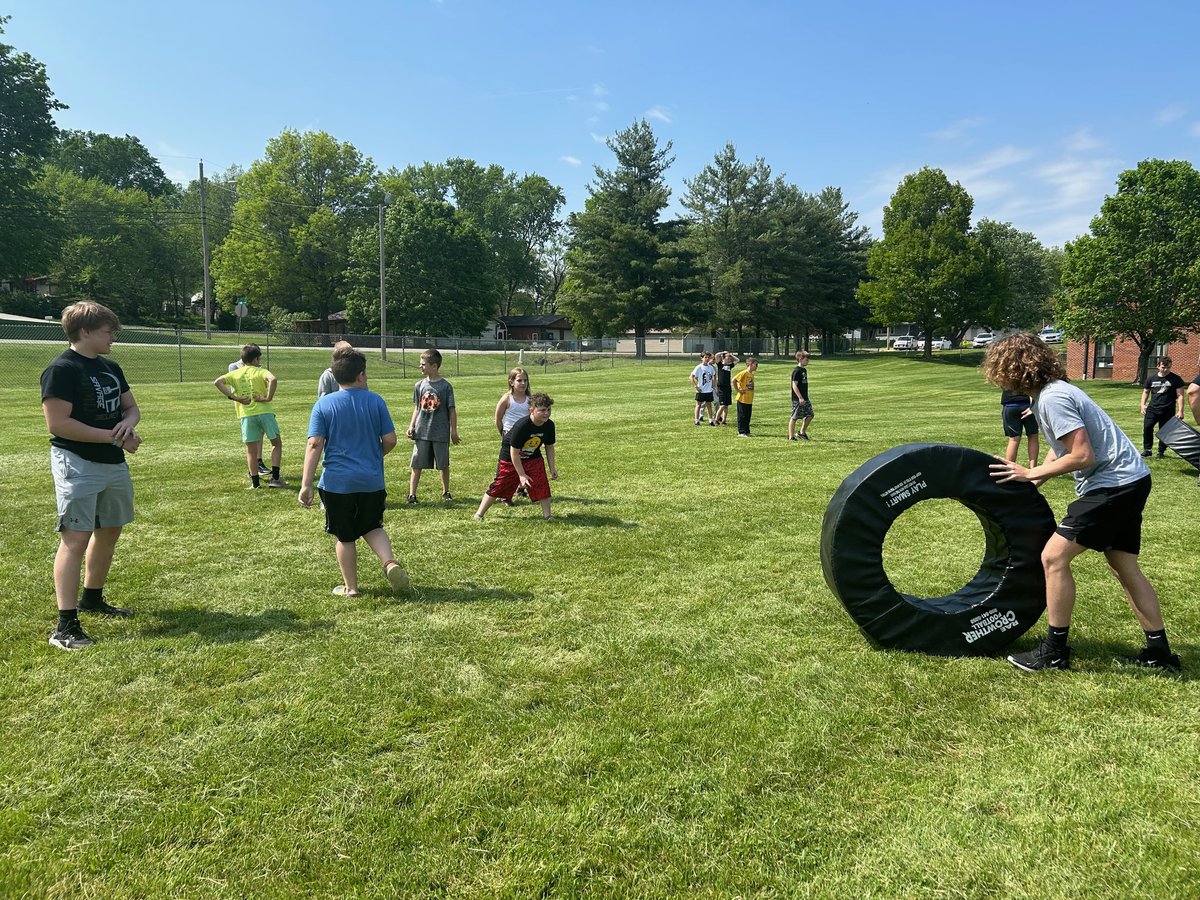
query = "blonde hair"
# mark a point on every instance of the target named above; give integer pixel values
(87, 315)
(1023, 363)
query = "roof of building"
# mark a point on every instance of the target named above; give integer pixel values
(528, 321)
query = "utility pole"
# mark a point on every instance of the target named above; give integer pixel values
(204, 242)
(382, 294)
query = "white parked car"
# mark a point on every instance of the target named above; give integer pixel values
(1051, 335)
(905, 342)
(983, 339)
(942, 344)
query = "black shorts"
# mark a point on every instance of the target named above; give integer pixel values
(704, 396)
(1108, 518)
(349, 516)
(1014, 424)
(724, 396)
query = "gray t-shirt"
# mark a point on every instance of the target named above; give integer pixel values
(1061, 408)
(327, 384)
(434, 400)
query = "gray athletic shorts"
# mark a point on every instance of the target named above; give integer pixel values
(90, 495)
(430, 455)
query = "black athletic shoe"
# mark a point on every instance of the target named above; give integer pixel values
(104, 608)
(1161, 456)
(70, 637)
(412, 500)
(263, 468)
(1146, 454)
(804, 437)
(447, 496)
(1043, 656)
(1150, 658)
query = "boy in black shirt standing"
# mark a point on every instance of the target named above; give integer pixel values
(521, 459)
(801, 408)
(91, 416)
(1162, 398)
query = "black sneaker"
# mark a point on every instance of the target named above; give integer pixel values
(412, 499)
(1043, 656)
(70, 637)
(104, 608)
(447, 496)
(1146, 454)
(263, 468)
(804, 437)
(1150, 658)
(1161, 456)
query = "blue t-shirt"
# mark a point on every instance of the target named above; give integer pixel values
(351, 421)
(1061, 408)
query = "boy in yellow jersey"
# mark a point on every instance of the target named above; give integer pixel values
(252, 388)
(743, 386)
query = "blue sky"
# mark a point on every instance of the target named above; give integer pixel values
(1034, 107)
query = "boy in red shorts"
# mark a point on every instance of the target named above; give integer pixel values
(521, 459)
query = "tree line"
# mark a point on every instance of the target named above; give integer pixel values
(297, 235)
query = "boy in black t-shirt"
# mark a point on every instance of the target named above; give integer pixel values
(801, 408)
(91, 416)
(521, 459)
(1162, 398)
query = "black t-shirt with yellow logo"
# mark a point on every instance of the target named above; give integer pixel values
(527, 438)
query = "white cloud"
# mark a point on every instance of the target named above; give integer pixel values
(1195, 129)
(1077, 181)
(1169, 114)
(1000, 158)
(600, 106)
(1082, 141)
(571, 160)
(960, 129)
(599, 138)
(657, 112)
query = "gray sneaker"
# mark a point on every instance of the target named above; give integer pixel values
(70, 637)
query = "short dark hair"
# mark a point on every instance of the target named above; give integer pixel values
(540, 401)
(347, 364)
(250, 353)
(433, 356)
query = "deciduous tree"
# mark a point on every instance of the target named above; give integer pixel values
(1137, 274)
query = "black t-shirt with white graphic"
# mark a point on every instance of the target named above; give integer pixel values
(93, 387)
(1163, 391)
(527, 438)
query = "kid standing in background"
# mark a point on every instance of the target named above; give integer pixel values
(523, 461)
(743, 383)
(434, 425)
(703, 378)
(725, 363)
(252, 388)
(1017, 415)
(801, 408)
(512, 408)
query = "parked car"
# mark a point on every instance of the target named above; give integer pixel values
(983, 339)
(1051, 335)
(905, 342)
(942, 344)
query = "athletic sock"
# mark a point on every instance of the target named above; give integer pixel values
(274, 473)
(1057, 637)
(254, 478)
(66, 616)
(92, 596)
(1157, 640)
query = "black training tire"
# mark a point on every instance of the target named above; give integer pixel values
(1006, 596)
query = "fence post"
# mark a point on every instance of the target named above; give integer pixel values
(457, 357)
(179, 348)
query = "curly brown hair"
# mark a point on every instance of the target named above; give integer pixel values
(1023, 363)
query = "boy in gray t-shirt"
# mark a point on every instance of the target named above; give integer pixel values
(1112, 482)
(434, 425)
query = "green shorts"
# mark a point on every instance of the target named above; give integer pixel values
(255, 428)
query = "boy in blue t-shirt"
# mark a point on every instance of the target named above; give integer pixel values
(353, 429)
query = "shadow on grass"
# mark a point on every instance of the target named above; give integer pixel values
(1089, 655)
(218, 627)
(591, 520)
(465, 593)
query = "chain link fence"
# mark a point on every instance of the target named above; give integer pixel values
(164, 355)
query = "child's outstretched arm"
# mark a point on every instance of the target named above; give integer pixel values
(550, 461)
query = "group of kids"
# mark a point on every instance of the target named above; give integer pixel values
(92, 418)
(715, 384)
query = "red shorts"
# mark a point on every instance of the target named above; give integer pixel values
(506, 482)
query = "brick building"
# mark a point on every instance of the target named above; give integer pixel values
(1087, 360)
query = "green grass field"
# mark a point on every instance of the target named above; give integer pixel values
(655, 694)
